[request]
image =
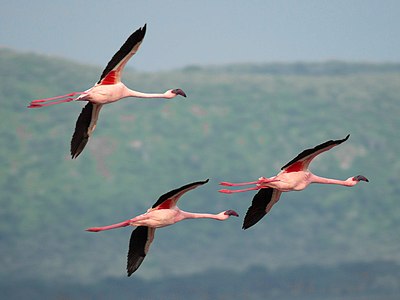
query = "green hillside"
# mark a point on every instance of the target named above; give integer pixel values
(238, 123)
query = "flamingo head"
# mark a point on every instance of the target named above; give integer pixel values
(177, 92)
(359, 178)
(231, 212)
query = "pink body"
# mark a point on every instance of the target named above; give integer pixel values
(286, 182)
(297, 181)
(104, 94)
(157, 218)
(166, 213)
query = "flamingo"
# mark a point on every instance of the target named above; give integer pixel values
(163, 213)
(294, 176)
(108, 89)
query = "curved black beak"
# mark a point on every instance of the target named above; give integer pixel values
(360, 178)
(231, 212)
(179, 92)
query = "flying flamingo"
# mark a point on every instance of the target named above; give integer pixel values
(108, 89)
(163, 213)
(294, 176)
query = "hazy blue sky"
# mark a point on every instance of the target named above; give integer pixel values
(183, 32)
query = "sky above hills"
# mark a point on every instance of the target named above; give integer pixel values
(182, 33)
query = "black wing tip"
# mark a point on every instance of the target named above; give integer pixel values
(200, 182)
(196, 183)
(133, 268)
(76, 150)
(77, 147)
(337, 142)
(142, 31)
(250, 221)
(246, 226)
(75, 155)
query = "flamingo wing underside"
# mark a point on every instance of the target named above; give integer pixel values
(260, 206)
(84, 126)
(112, 72)
(139, 244)
(170, 199)
(302, 161)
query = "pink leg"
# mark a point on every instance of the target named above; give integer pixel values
(118, 225)
(261, 180)
(37, 105)
(49, 101)
(225, 191)
(225, 183)
(259, 185)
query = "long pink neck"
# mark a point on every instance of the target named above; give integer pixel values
(136, 94)
(322, 180)
(113, 226)
(189, 215)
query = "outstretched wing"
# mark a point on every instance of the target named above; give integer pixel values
(302, 161)
(169, 199)
(260, 206)
(84, 127)
(139, 244)
(112, 72)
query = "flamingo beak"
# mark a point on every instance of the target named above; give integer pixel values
(179, 92)
(231, 212)
(360, 178)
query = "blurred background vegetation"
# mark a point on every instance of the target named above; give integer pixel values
(238, 123)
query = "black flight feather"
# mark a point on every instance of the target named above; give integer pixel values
(310, 151)
(257, 210)
(132, 40)
(170, 194)
(81, 135)
(137, 248)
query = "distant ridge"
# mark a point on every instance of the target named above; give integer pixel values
(323, 68)
(326, 68)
